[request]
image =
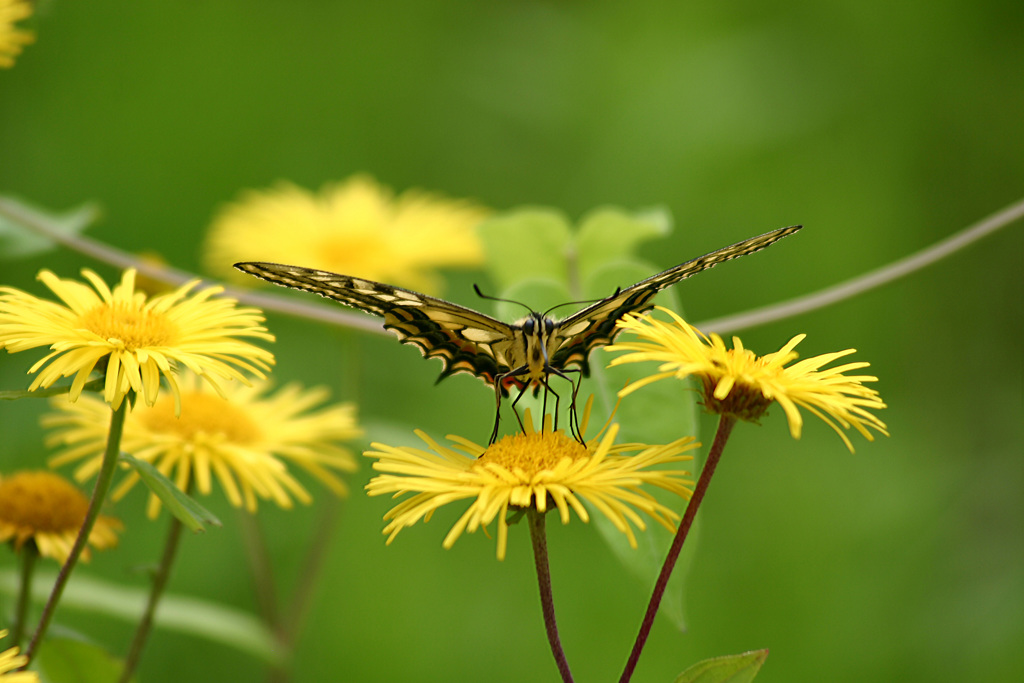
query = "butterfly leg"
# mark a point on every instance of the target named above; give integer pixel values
(515, 412)
(549, 390)
(499, 382)
(574, 422)
(574, 415)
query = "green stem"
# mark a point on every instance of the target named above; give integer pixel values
(163, 573)
(725, 426)
(288, 625)
(29, 555)
(312, 567)
(547, 602)
(99, 494)
(261, 568)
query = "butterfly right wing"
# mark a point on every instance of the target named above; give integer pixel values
(595, 325)
(465, 340)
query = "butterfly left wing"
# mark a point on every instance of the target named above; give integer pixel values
(465, 340)
(595, 326)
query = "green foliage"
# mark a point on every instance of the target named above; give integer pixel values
(608, 234)
(184, 507)
(67, 660)
(526, 243)
(740, 668)
(218, 623)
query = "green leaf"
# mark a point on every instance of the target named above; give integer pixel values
(729, 669)
(656, 414)
(18, 241)
(526, 243)
(671, 401)
(645, 562)
(537, 293)
(184, 614)
(610, 233)
(67, 660)
(191, 513)
(615, 273)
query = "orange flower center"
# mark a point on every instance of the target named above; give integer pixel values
(533, 452)
(129, 327)
(202, 415)
(41, 501)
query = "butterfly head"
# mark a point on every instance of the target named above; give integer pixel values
(536, 324)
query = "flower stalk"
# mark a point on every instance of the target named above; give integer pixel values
(538, 536)
(29, 555)
(160, 578)
(725, 425)
(99, 494)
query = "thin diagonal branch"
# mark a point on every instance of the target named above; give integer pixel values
(175, 278)
(869, 280)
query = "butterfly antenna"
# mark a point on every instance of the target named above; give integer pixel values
(476, 288)
(587, 301)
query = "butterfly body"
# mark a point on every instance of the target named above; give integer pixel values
(505, 355)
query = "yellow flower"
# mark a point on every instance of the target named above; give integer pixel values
(356, 227)
(533, 469)
(739, 383)
(45, 509)
(131, 340)
(11, 38)
(244, 438)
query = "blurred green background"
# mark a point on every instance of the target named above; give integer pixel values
(882, 128)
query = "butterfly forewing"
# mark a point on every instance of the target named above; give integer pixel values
(465, 340)
(468, 341)
(595, 325)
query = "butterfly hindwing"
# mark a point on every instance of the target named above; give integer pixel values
(595, 325)
(465, 340)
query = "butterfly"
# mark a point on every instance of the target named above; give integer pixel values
(505, 355)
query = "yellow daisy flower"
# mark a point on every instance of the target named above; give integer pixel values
(245, 438)
(739, 383)
(356, 227)
(532, 469)
(130, 338)
(12, 38)
(47, 510)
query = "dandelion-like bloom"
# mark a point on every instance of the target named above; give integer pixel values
(130, 338)
(356, 227)
(533, 469)
(245, 439)
(45, 509)
(739, 383)
(12, 38)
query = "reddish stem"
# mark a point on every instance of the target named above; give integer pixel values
(725, 426)
(547, 602)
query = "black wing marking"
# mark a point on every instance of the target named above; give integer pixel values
(465, 340)
(595, 326)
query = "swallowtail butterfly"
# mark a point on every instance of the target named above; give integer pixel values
(504, 355)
